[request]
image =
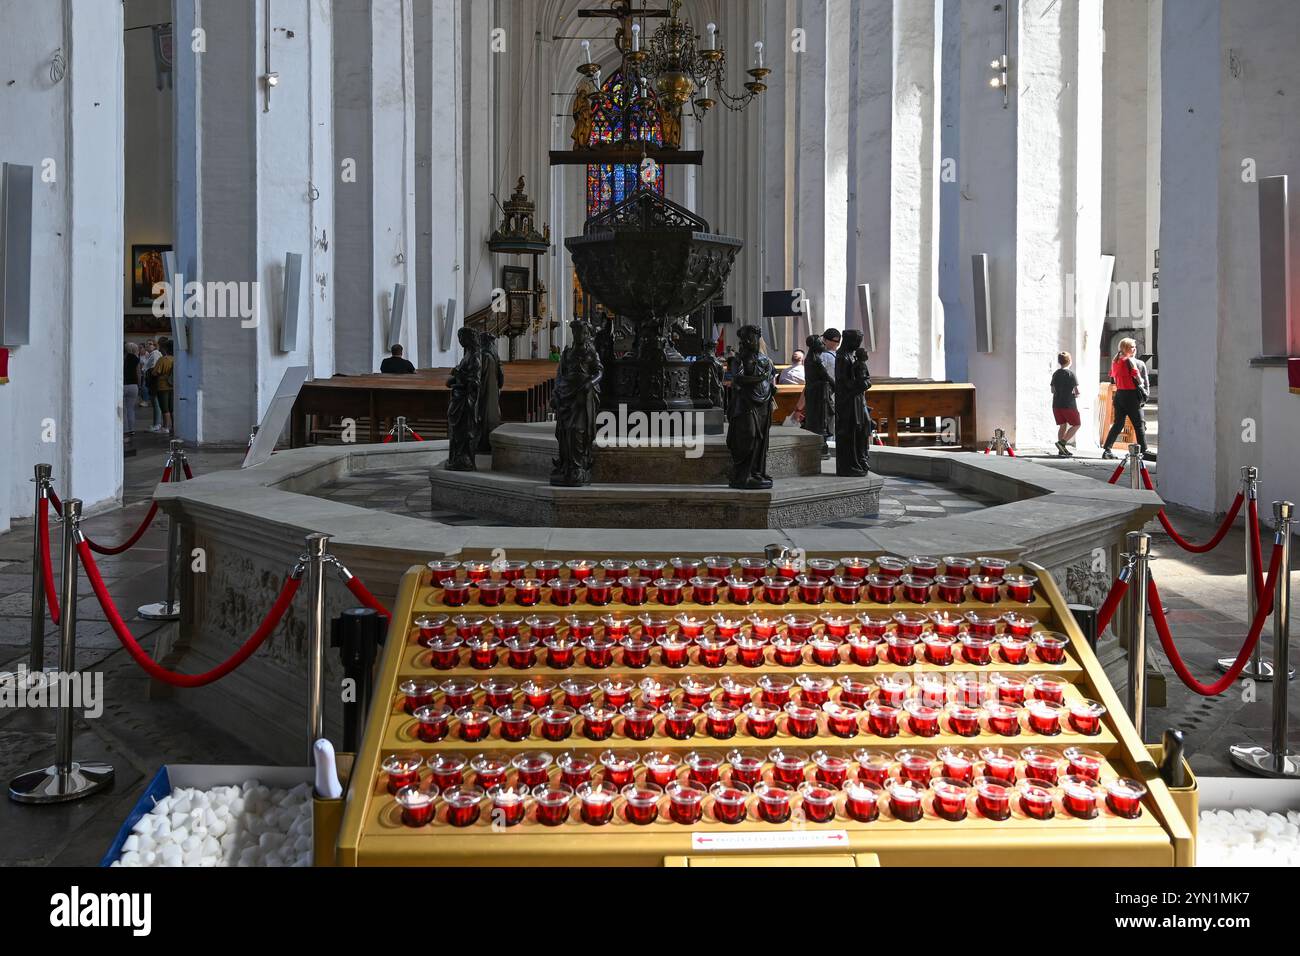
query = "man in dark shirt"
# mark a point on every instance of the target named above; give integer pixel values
(1065, 404)
(395, 364)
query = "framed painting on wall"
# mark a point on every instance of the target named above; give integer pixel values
(146, 271)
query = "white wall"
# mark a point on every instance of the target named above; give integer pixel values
(76, 250)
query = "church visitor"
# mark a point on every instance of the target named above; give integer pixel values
(395, 364)
(1132, 389)
(793, 375)
(130, 388)
(164, 385)
(1065, 404)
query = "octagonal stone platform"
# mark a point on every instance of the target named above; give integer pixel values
(653, 487)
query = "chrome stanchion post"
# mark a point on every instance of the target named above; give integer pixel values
(400, 429)
(65, 780)
(1000, 441)
(1277, 760)
(1139, 546)
(1258, 669)
(170, 609)
(37, 660)
(1135, 467)
(316, 559)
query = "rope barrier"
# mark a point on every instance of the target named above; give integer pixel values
(139, 532)
(47, 566)
(362, 594)
(1183, 542)
(1119, 473)
(156, 670)
(1107, 609)
(1256, 628)
(54, 500)
(1256, 555)
(185, 467)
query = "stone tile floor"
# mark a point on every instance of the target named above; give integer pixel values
(141, 729)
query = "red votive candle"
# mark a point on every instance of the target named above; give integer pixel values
(598, 651)
(800, 720)
(649, 568)
(1003, 718)
(475, 723)
(661, 767)
(560, 652)
(786, 651)
(704, 768)
(431, 626)
(638, 721)
(1020, 587)
(492, 593)
(958, 763)
(753, 569)
(440, 572)
(499, 692)
(880, 588)
(538, 691)
(1050, 646)
(775, 689)
(705, 590)
(575, 769)
(685, 803)
(729, 802)
(617, 626)
(923, 565)
(458, 692)
(922, 718)
(931, 688)
(991, 567)
(697, 690)
(431, 723)
(542, 626)
(464, 804)
(483, 651)
(674, 651)
(823, 568)
(976, 648)
(855, 691)
(654, 626)
(655, 692)
(504, 627)
(985, 589)
(448, 770)
(873, 765)
(512, 570)
(841, 718)
(864, 650)
(617, 691)
(556, 723)
(915, 765)
(957, 566)
(950, 798)
(905, 800)
(669, 591)
(776, 589)
(963, 719)
(901, 649)
(635, 590)
(993, 796)
(711, 651)
(813, 690)
(1041, 763)
(772, 803)
(1084, 762)
(812, 589)
(893, 688)
(938, 648)
(516, 722)
(846, 590)
(999, 763)
(600, 591)
(636, 651)
(1081, 796)
(1013, 650)
(740, 590)
(788, 768)
(477, 570)
(597, 802)
(857, 568)
(1044, 716)
(950, 588)
(455, 593)
(798, 627)
(1019, 624)
(1085, 716)
(728, 628)
(580, 628)
(552, 801)
(521, 651)
(533, 768)
(746, 766)
(417, 805)
(967, 688)
(528, 592)
(683, 569)
(787, 567)
(691, 626)
(750, 650)
(1010, 687)
(418, 692)
(760, 720)
(824, 651)
(1124, 797)
(597, 721)
(581, 569)
(679, 720)
(620, 766)
(862, 800)
(403, 770)
(489, 770)
(616, 568)
(891, 566)
(719, 565)
(874, 625)
(1048, 688)
(882, 719)
(720, 720)
(832, 769)
(1036, 799)
(916, 588)
(837, 626)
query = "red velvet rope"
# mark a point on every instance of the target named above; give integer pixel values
(1107, 609)
(1118, 473)
(415, 434)
(362, 594)
(139, 532)
(1256, 556)
(1011, 451)
(54, 500)
(1183, 542)
(47, 567)
(156, 670)
(185, 466)
(1256, 628)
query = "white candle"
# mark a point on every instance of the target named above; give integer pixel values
(758, 45)
(636, 37)
(713, 29)
(586, 50)
(706, 88)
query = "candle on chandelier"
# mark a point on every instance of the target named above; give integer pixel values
(713, 30)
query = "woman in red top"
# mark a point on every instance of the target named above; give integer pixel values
(1130, 378)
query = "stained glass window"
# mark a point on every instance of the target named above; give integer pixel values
(621, 114)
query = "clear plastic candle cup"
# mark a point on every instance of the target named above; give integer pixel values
(963, 719)
(968, 688)
(417, 805)
(430, 626)
(1020, 587)
(976, 648)
(753, 568)
(786, 651)
(580, 628)
(475, 723)
(655, 626)
(597, 721)
(431, 722)
(552, 801)
(1047, 688)
(922, 718)
(1037, 799)
(938, 648)
(905, 800)
(842, 719)
(846, 590)
(616, 568)
(864, 650)
(617, 691)
(1085, 716)
(873, 765)
(636, 591)
(679, 720)
(704, 767)
(874, 624)
(403, 770)
(697, 690)
(597, 802)
(489, 770)
(482, 651)
(812, 589)
(1124, 797)
(720, 720)
(492, 593)
(891, 565)
(775, 689)
(824, 651)
(661, 766)
(638, 721)
(857, 568)
(772, 803)
(674, 651)
(951, 797)
(1020, 625)
(440, 572)
(532, 768)
(993, 797)
(499, 692)
(685, 803)
(985, 589)
(746, 766)
(760, 720)
(854, 690)
(620, 766)
(740, 590)
(444, 651)
(719, 565)
(958, 763)
(655, 692)
(750, 650)
(447, 770)
(880, 588)
(560, 652)
(1010, 688)
(958, 566)
(521, 651)
(788, 767)
(832, 768)
(814, 689)
(999, 763)
(916, 588)
(575, 769)
(862, 800)
(729, 802)
(1081, 796)
(1014, 650)
(1003, 718)
(1041, 763)
(893, 687)
(901, 649)
(916, 765)
(641, 803)
(950, 588)
(691, 626)
(464, 804)
(556, 723)
(649, 568)
(776, 589)
(598, 651)
(800, 720)
(685, 568)
(670, 592)
(992, 567)
(824, 568)
(1044, 716)
(538, 691)
(705, 590)
(600, 591)
(636, 651)
(1084, 762)
(512, 570)
(528, 592)
(417, 692)
(931, 688)
(728, 627)
(516, 722)
(737, 690)
(882, 719)
(1050, 647)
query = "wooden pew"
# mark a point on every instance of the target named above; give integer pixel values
(894, 401)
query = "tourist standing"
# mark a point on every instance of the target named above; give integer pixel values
(130, 389)
(150, 362)
(164, 385)
(1131, 392)
(1065, 404)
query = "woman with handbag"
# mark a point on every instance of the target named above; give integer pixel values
(1131, 392)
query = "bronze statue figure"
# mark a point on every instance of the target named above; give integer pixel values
(714, 373)
(818, 393)
(750, 416)
(582, 114)
(489, 397)
(852, 419)
(463, 421)
(576, 402)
